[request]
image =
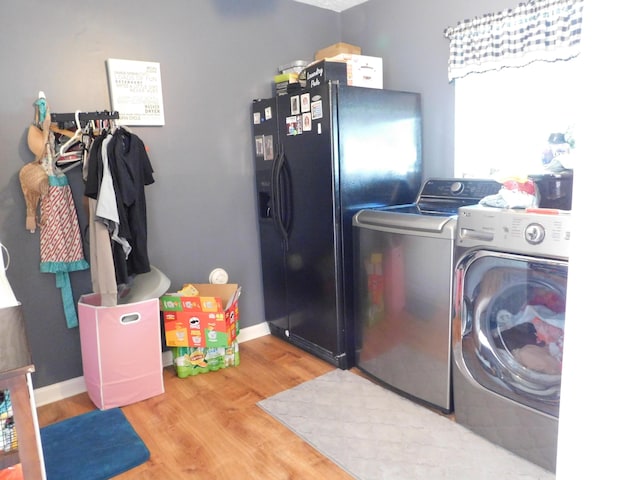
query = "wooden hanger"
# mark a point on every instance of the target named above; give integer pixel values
(63, 131)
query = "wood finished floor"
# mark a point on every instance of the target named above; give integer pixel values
(210, 427)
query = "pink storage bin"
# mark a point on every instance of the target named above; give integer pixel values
(121, 351)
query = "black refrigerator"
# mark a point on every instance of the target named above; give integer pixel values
(321, 155)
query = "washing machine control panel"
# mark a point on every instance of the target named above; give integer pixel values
(534, 233)
(512, 230)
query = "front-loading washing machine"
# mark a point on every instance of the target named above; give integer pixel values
(511, 269)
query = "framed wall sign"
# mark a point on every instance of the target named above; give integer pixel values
(136, 91)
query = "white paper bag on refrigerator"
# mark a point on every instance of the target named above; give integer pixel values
(7, 298)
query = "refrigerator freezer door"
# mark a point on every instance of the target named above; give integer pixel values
(265, 144)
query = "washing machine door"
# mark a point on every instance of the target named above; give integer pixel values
(512, 325)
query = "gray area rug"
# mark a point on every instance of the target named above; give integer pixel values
(373, 433)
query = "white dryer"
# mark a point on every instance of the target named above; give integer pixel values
(511, 269)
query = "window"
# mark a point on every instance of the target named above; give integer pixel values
(503, 118)
(516, 74)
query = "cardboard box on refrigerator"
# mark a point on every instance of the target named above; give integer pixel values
(337, 49)
(323, 71)
(362, 70)
(210, 319)
(353, 70)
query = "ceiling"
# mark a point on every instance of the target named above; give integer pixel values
(335, 5)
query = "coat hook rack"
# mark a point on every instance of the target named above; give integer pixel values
(70, 118)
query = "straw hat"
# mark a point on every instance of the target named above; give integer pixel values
(37, 141)
(34, 179)
(34, 182)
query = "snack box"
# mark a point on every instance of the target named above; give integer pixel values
(210, 319)
(198, 329)
(176, 303)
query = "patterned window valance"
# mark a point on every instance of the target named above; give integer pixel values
(547, 30)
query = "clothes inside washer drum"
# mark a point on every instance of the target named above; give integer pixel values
(519, 336)
(538, 358)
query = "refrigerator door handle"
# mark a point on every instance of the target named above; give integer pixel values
(287, 200)
(276, 194)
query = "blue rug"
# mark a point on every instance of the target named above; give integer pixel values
(94, 446)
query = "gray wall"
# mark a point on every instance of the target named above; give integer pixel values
(215, 56)
(409, 36)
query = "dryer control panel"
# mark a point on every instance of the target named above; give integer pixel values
(512, 230)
